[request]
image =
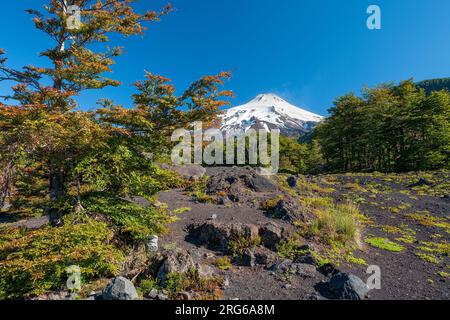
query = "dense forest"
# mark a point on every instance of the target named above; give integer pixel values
(390, 128)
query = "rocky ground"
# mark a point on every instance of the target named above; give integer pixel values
(407, 210)
(250, 237)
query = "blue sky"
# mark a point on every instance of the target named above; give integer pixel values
(307, 51)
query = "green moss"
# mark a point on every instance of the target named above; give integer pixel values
(427, 257)
(391, 229)
(444, 274)
(181, 210)
(394, 210)
(385, 244)
(352, 259)
(428, 220)
(408, 239)
(435, 247)
(354, 187)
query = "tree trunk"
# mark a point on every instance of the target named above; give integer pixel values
(57, 185)
(5, 183)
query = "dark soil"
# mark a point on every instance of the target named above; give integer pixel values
(404, 274)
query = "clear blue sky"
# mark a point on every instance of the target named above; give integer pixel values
(308, 51)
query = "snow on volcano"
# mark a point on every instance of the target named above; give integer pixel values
(269, 112)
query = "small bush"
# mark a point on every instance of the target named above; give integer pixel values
(337, 223)
(291, 249)
(223, 263)
(35, 262)
(238, 246)
(270, 204)
(139, 222)
(202, 197)
(198, 185)
(203, 288)
(146, 286)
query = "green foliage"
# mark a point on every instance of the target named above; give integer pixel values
(204, 288)
(198, 185)
(428, 257)
(337, 223)
(52, 154)
(202, 197)
(34, 262)
(147, 285)
(223, 263)
(270, 204)
(389, 128)
(385, 244)
(197, 190)
(298, 158)
(435, 85)
(291, 249)
(238, 245)
(132, 219)
(128, 173)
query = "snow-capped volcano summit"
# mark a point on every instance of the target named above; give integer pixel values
(269, 111)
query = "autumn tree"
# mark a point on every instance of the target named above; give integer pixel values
(45, 123)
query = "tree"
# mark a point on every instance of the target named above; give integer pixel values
(158, 111)
(45, 125)
(75, 68)
(390, 128)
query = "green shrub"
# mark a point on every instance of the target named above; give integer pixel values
(202, 288)
(290, 249)
(202, 197)
(198, 185)
(131, 218)
(146, 286)
(238, 245)
(126, 172)
(35, 262)
(223, 263)
(270, 204)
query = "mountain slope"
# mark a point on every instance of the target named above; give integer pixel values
(269, 111)
(435, 84)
